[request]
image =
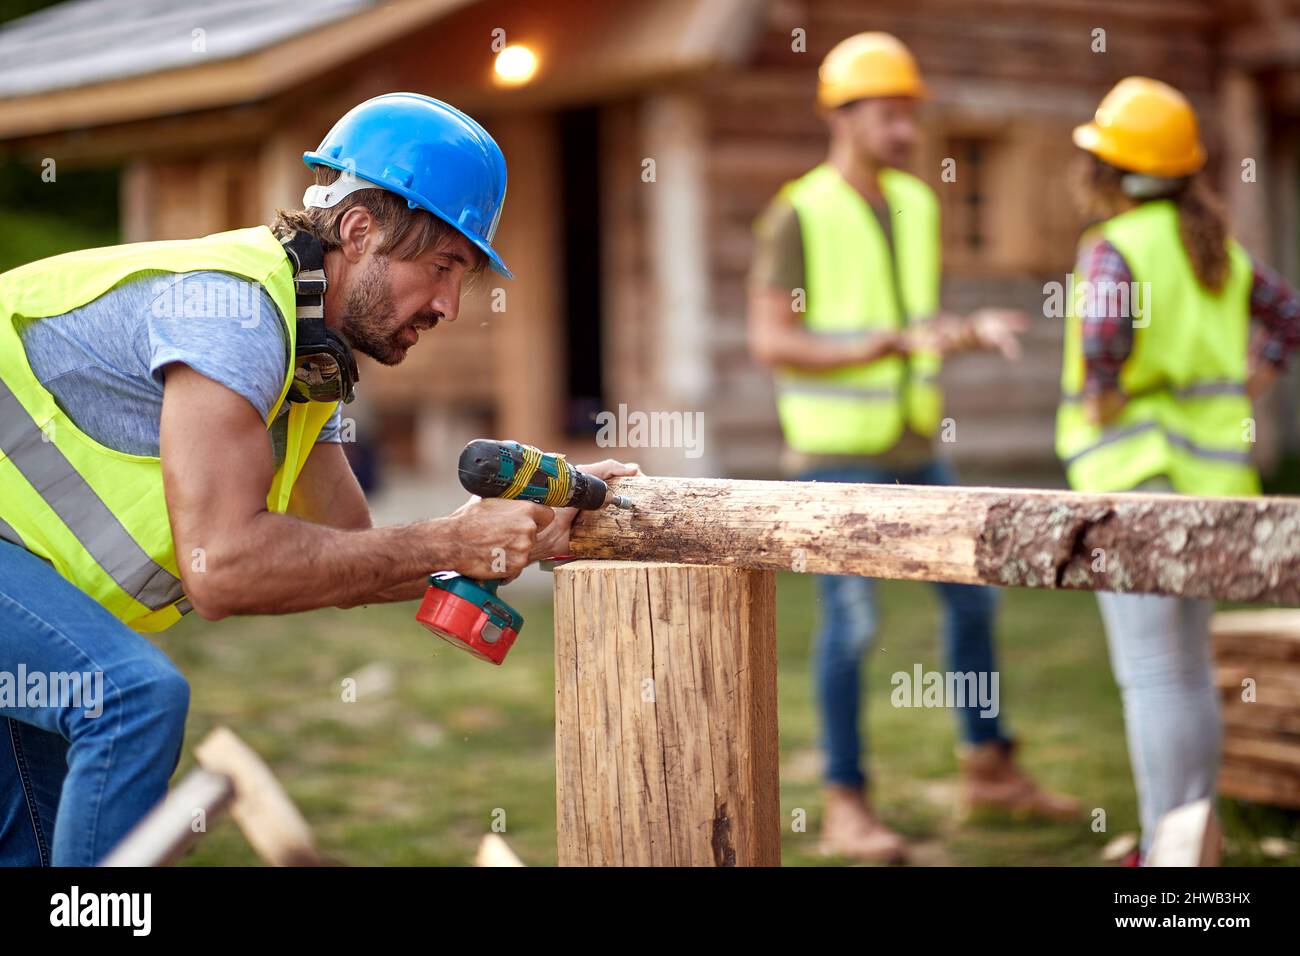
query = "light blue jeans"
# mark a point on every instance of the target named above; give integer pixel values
(1160, 653)
(78, 767)
(847, 613)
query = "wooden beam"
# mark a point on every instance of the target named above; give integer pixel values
(136, 200)
(493, 850)
(230, 777)
(674, 133)
(220, 82)
(1236, 549)
(164, 836)
(666, 733)
(1241, 117)
(527, 332)
(266, 814)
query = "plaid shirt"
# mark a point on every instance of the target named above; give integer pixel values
(1108, 338)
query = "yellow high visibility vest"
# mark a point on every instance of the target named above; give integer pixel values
(1188, 417)
(98, 515)
(855, 285)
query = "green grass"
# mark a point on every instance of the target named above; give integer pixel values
(437, 742)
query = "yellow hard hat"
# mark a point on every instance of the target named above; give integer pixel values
(1144, 126)
(867, 64)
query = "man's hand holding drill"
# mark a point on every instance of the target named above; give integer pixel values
(499, 537)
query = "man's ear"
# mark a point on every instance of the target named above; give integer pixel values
(357, 232)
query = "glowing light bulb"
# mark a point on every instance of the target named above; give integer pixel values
(515, 65)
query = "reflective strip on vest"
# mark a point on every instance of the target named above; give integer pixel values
(7, 533)
(1218, 454)
(1187, 407)
(83, 512)
(98, 516)
(1195, 390)
(1182, 441)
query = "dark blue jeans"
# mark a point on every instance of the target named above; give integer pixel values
(80, 767)
(847, 624)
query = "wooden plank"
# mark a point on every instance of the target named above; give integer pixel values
(667, 736)
(1259, 718)
(1228, 548)
(1264, 649)
(1272, 685)
(1270, 632)
(493, 850)
(1264, 670)
(270, 821)
(230, 776)
(1279, 754)
(1246, 781)
(163, 837)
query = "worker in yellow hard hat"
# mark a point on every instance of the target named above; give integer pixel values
(1157, 383)
(844, 306)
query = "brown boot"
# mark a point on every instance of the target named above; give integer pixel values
(991, 780)
(851, 829)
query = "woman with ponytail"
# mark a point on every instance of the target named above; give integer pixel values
(1172, 334)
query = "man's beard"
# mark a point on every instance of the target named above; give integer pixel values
(368, 312)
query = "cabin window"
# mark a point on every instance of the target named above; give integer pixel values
(967, 213)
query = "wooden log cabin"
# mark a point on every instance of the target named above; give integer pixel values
(648, 140)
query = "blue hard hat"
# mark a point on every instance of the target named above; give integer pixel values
(429, 153)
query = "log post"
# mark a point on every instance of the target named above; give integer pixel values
(1231, 549)
(666, 732)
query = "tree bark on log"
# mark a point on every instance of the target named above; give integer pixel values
(1234, 549)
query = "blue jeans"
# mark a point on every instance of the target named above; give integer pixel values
(848, 624)
(81, 765)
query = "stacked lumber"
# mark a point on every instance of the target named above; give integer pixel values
(1261, 738)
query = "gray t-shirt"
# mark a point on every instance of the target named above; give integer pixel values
(103, 362)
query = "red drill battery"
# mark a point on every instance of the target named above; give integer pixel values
(468, 614)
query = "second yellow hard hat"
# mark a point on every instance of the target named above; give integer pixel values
(865, 65)
(1144, 126)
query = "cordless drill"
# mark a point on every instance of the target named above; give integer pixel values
(466, 612)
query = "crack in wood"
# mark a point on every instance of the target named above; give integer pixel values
(1246, 550)
(724, 854)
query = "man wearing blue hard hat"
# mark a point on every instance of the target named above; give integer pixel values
(169, 441)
